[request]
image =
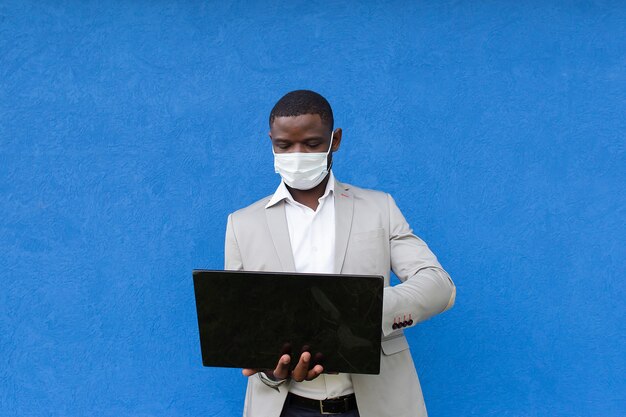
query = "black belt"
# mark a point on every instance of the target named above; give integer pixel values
(329, 406)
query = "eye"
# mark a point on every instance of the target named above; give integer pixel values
(281, 145)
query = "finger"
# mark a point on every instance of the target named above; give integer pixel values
(282, 368)
(302, 368)
(315, 372)
(249, 372)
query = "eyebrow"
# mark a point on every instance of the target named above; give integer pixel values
(306, 139)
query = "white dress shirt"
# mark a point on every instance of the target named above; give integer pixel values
(312, 237)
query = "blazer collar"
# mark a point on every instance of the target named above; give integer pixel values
(277, 223)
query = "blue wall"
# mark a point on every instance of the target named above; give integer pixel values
(130, 129)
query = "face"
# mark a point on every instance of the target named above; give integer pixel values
(305, 133)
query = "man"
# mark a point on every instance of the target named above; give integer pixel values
(314, 223)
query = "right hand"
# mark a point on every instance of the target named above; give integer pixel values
(300, 373)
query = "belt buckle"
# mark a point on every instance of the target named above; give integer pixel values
(345, 404)
(322, 408)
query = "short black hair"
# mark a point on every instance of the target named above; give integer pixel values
(299, 102)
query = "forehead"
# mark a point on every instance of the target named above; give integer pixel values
(299, 126)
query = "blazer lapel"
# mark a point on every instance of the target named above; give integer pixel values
(344, 208)
(277, 223)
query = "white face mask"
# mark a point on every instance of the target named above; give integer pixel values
(301, 170)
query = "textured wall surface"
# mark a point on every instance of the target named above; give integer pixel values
(130, 129)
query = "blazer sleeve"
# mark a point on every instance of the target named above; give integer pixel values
(232, 255)
(426, 289)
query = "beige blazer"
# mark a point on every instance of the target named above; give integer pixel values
(372, 237)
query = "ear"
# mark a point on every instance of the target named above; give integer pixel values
(336, 139)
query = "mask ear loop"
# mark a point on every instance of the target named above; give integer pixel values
(332, 135)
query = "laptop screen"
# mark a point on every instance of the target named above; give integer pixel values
(249, 319)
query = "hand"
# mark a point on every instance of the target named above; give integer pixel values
(300, 373)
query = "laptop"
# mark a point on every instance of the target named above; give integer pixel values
(249, 319)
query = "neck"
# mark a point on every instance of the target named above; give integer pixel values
(310, 198)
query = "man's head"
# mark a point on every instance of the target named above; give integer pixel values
(301, 122)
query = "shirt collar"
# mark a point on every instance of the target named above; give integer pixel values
(282, 193)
